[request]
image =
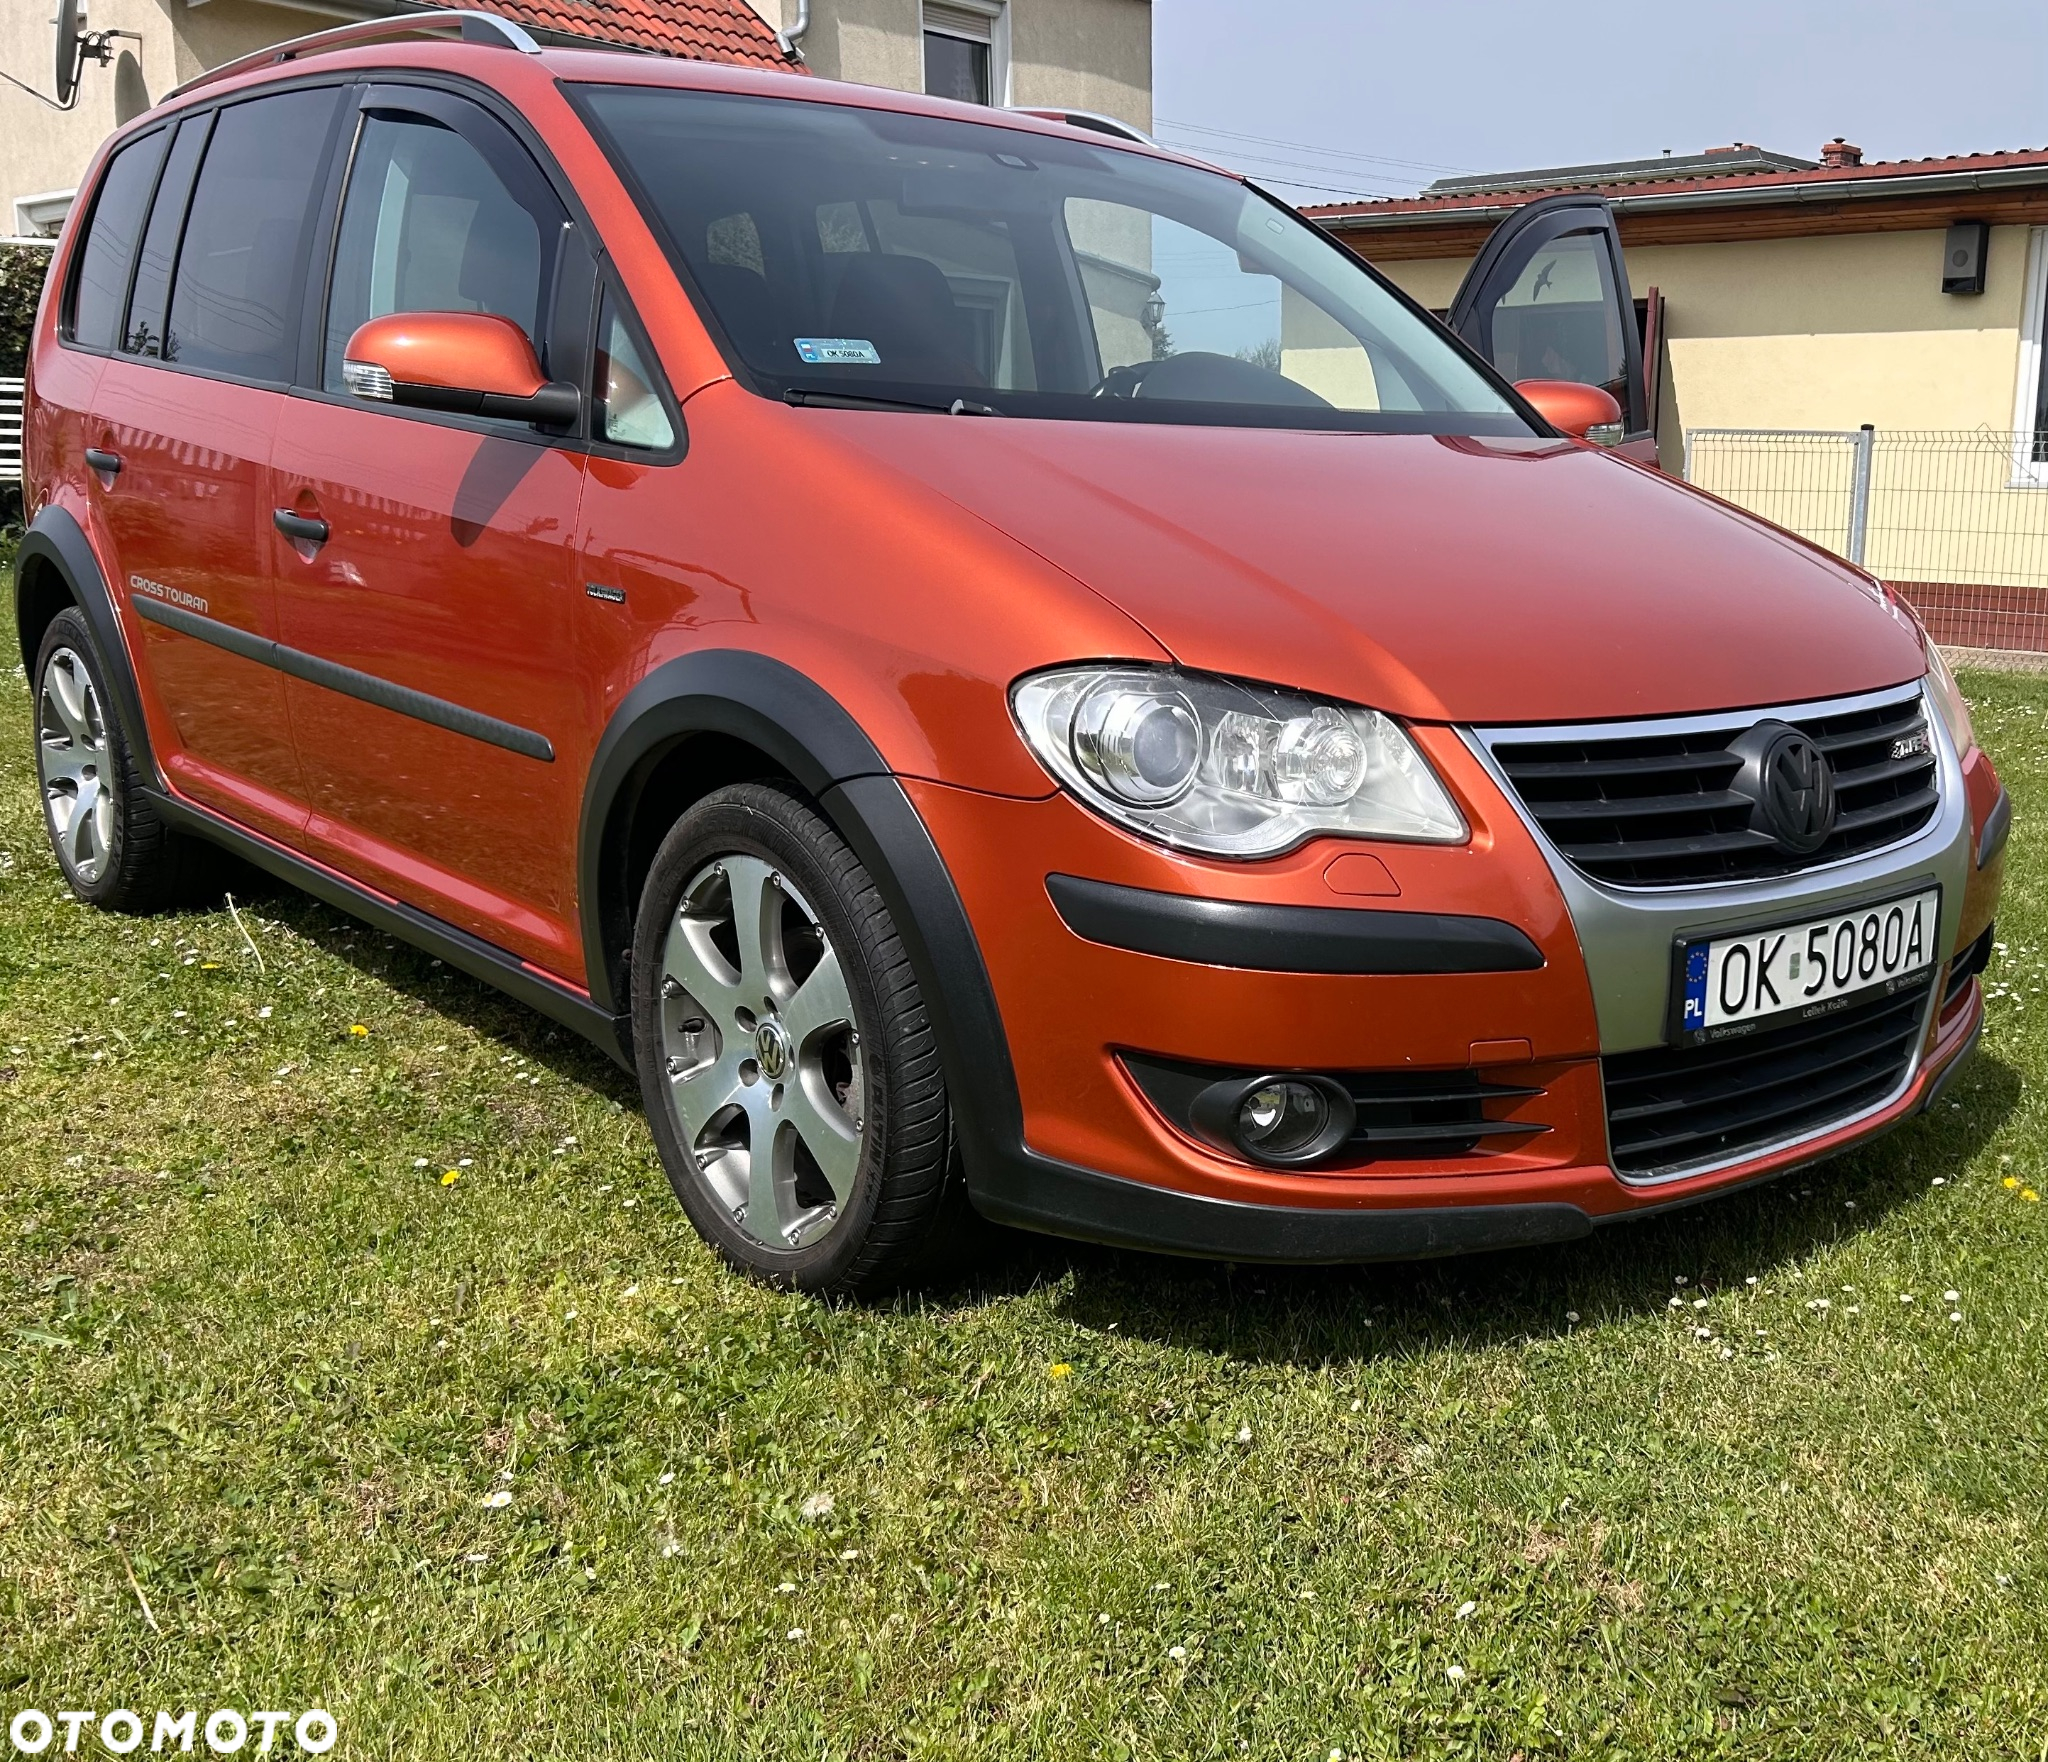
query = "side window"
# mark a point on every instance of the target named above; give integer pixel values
(631, 411)
(1561, 318)
(429, 225)
(232, 302)
(143, 334)
(101, 286)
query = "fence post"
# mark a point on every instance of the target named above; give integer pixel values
(1859, 493)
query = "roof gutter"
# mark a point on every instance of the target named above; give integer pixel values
(1937, 183)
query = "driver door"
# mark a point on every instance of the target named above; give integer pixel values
(1548, 298)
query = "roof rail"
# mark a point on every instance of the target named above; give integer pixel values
(434, 21)
(1092, 120)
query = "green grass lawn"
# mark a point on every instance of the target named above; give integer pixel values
(503, 1464)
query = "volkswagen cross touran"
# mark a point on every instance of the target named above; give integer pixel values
(986, 661)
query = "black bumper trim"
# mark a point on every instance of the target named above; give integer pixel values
(1997, 826)
(1287, 938)
(1035, 1193)
(366, 687)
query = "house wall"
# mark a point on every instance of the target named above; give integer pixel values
(44, 150)
(1083, 54)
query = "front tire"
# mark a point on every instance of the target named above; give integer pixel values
(785, 1056)
(114, 851)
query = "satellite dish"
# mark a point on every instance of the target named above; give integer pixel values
(69, 22)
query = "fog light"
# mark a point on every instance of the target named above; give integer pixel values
(1279, 1121)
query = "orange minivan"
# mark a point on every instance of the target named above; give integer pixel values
(990, 663)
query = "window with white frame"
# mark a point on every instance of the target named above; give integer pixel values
(2030, 399)
(42, 217)
(967, 50)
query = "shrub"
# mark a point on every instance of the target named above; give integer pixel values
(22, 268)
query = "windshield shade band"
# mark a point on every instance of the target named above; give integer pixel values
(1288, 938)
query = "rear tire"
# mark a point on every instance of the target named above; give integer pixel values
(114, 850)
(785, 1056)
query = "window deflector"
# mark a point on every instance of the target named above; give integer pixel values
(1499, 275)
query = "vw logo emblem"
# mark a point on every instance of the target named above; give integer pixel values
(773, 1050)
(1792, 785)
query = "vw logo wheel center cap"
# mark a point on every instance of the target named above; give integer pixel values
(773, 1051)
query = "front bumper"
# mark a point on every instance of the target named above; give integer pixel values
(1097, 1160)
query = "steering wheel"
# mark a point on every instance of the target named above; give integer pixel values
(1122, 382)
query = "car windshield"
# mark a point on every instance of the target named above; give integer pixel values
(861, 255)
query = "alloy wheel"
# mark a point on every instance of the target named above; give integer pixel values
(76, 766)
(761, 1054)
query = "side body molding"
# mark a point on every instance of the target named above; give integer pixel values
(772, 707)
(55, 544)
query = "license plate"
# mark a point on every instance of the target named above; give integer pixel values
(1728, 983)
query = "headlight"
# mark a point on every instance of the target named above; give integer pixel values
(1948, 699)
(1226, 768)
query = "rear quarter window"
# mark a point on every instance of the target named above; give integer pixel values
(101, 287)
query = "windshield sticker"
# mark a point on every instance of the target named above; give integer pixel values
(838, 351)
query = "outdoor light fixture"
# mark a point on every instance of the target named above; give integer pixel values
(1963, 252)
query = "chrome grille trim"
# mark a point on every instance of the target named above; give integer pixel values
(1691, 829)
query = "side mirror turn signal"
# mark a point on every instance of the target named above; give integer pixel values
(1585, 412)
(468, 363)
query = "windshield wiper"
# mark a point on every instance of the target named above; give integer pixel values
(861, 401)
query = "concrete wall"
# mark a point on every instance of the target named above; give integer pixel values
(1084, 54)
(43, 150)
(1817, 332)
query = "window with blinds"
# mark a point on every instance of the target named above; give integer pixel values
(962, 52)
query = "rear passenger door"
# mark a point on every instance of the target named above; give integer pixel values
(181, 426)
(425, 562)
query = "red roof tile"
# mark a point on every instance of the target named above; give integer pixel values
(702, 30)
(1623, 192)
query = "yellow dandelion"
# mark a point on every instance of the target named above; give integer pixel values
(358, 1028)
(2011, 1183)
(209, 966)
(2029, 1193)
(1059, 1370)
(451, 1177)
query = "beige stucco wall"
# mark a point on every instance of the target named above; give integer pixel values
(43, 150)
(1083, 54)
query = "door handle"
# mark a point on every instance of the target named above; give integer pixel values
(305, 528)
(100, 460)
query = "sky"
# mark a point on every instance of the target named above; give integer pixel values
(1368, 98)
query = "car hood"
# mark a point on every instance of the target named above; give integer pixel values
(1440, 578)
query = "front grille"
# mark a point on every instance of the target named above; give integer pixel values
(1647, 809)
(1672, 1107)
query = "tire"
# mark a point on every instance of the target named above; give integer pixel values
(816, 1044)
(113, 849)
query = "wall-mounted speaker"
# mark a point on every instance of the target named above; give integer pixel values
(1963, 252)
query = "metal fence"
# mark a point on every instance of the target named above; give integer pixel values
(1957, 520)
(10, 431)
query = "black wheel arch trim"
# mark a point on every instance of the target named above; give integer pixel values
(805, 731)
(1288, 938)
(55, 541)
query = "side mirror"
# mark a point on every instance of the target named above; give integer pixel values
(471, 363)
(1585, 412)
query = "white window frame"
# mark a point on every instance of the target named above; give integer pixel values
(972, 21)
(42, 215)
(2027, 471)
